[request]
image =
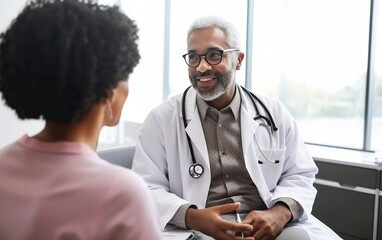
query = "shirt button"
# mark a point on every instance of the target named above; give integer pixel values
(224, 153)
(220, 125)
(227, 176)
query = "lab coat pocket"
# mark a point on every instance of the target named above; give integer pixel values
(271, 164)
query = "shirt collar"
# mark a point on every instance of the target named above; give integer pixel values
(234, 105)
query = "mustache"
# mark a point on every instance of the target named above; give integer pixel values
(207, 73)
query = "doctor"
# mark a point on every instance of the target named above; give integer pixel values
(230, 155)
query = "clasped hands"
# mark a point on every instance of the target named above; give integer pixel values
(257, 225)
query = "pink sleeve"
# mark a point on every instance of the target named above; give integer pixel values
(127, 211)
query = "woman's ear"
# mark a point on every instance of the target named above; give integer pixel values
(115, 102)
(109, 112)
(113, 96)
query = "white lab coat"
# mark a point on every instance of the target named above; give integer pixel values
(163, 157)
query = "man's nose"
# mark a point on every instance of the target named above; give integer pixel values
(203, 65)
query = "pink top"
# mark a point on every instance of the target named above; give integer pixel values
(63, 190)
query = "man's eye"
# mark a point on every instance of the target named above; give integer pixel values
(193, 57)
(214, 55)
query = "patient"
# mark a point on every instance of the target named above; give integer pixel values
(68, 62)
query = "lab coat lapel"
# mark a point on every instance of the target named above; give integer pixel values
(194, 127)
(248, 130)
(197, 188)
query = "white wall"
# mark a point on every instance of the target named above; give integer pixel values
(11, 128)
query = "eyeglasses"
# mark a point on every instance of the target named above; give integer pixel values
(212, 57)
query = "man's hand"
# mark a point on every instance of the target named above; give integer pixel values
(267, 225)
(210, 222)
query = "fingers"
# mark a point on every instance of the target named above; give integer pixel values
(264, 226)
(228, 207)
(248, 219)
(228, 236)
(214, 225)
(246, 238)
(235, 227)
(232, 226)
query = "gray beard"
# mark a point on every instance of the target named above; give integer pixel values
(223, 83)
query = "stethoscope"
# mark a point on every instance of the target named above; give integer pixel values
(196, 170)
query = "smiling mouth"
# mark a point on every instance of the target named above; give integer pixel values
(205, 78)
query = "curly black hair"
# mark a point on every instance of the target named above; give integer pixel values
(59, 58)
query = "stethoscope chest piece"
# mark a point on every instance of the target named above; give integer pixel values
(196, 170)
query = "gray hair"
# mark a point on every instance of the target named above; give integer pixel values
(233, 37)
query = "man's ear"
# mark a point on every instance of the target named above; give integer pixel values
(239, 60)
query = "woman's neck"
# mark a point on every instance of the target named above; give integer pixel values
(85, 131)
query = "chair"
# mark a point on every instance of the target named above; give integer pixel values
(119, 156)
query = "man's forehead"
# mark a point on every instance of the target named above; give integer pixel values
(207, 38)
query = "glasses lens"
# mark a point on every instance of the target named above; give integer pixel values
(213, 57)
(192, 59)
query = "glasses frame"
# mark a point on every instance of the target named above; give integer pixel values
(221, 51)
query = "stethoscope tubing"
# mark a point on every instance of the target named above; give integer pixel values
(253, 97)
(185, 124)
(196, 170)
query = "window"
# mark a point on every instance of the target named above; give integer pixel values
(321, 58)
(312, 55)
(376, 125)
(162, 71)
(146, 81)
